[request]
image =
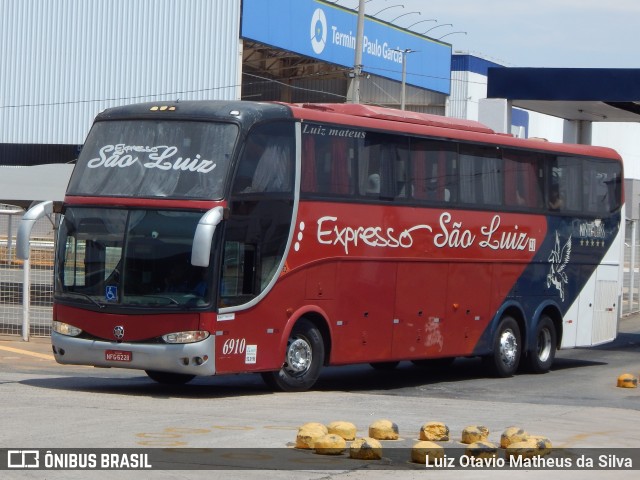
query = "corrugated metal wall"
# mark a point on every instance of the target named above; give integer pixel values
(62, 61)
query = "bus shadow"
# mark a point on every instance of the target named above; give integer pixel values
(407, 375)
(141, 386)
(624, 341)
(350, 378)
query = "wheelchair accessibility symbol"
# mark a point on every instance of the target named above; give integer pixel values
(111, 293)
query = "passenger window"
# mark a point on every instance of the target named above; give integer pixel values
(382, 167)
(602, 186)
(523, 179)
(433, 171)
(480, 175)
(565, 184)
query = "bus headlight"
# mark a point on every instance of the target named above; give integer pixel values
(66, 329)
(185, 337)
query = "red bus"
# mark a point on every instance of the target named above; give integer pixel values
(207, 238)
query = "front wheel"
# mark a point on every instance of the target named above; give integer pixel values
(507, 348)
(540, 358)
(303, 360)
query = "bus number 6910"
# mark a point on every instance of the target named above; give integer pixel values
(234, 346)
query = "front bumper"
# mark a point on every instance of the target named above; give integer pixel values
(188, 358)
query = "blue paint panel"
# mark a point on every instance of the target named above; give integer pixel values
(470, 63)
(318, 30)
(570, 84)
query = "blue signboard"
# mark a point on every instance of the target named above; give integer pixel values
(320, 30)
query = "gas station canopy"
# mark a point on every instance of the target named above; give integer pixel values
(588, 94)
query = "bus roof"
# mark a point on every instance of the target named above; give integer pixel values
(358, 115)
(395, 115)
(435, 125)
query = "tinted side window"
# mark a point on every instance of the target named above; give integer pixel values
(266, 164)
(602, 186)
(523, 178)
(382, 167)
(327, 164)
(434, 176)
(480, 175)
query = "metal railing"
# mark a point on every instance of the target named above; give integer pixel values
(631, 275)
(26, 295)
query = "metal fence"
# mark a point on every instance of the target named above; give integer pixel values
(631, 278)
(37, 314)
(14, 313)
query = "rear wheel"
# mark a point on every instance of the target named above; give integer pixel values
(540, 358)
(167, 378)
(303, 360)
(507, 348)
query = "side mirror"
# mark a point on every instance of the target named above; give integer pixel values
(29, 219)
(201, 250)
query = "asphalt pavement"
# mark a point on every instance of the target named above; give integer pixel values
(50, 406)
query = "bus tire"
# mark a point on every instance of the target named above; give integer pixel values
(303, 360)
(507, 348)
(540, 358)
(167, 378)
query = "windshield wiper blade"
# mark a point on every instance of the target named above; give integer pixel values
(172, 300)
(88, 297)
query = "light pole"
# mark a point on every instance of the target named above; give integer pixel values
(357, 62)
(422, 21)
(403, 90)
(447, 34)
(437, 26)
(387, 8)
(403, 15)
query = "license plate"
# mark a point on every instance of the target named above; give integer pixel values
(117, 356)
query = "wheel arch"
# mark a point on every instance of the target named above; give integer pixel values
(552, 311)
(318, 317)
(515, 311)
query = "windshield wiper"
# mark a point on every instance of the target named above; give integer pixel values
(172, 300)
(91, 299)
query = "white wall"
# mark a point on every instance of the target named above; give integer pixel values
(623, 137)
(62, 61)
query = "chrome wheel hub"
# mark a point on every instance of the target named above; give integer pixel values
(299, 356)
(544, 345)
(508, 348)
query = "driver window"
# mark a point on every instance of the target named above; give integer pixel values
(266, 164)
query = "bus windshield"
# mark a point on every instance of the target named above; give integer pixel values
(135, 258)
(150, 158)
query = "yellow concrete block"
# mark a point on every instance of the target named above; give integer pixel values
(330, 444)
(626, 380)
(384, 430)
(346, 430)
(365, 448)
(474, 433)
(434, 432)
(512, 435)
(426, 450)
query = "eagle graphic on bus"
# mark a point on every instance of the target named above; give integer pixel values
(559, 259)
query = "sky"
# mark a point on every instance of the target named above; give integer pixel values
(525, 33)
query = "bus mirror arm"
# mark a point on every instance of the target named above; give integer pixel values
(204, 236)
(29, 219)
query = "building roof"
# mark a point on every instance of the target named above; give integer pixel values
(23, 185)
